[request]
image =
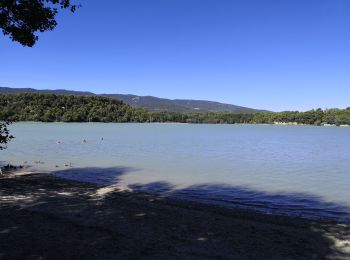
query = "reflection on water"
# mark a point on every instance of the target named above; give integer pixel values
(285, 168)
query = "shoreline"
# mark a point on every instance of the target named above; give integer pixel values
(323, 214)
(133, 224)
(181, 123)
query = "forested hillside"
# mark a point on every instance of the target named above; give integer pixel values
(63, 108)
(149, 103)
(54, 108)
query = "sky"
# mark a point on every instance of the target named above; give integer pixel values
(270, 54)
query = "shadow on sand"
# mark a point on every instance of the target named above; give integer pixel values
(292, 204)
(96, 175)
(42, 216)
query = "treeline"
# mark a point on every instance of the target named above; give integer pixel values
(312, 117)
(60, 108)
(200, 118)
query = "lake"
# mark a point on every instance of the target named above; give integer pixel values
(294, 170)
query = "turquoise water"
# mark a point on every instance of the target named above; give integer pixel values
(297, 170)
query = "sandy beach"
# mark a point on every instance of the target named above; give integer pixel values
(45, 217)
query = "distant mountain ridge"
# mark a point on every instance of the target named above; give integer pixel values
(149, 103)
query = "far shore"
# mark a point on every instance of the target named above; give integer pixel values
(181, 123)
(45, 217)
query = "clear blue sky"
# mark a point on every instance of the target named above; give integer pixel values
(271, 54)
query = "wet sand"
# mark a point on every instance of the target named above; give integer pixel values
(45, 217)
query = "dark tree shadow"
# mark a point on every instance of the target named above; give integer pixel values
(42, 216)
(96, 175)
(292, 204)
(160, 188)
